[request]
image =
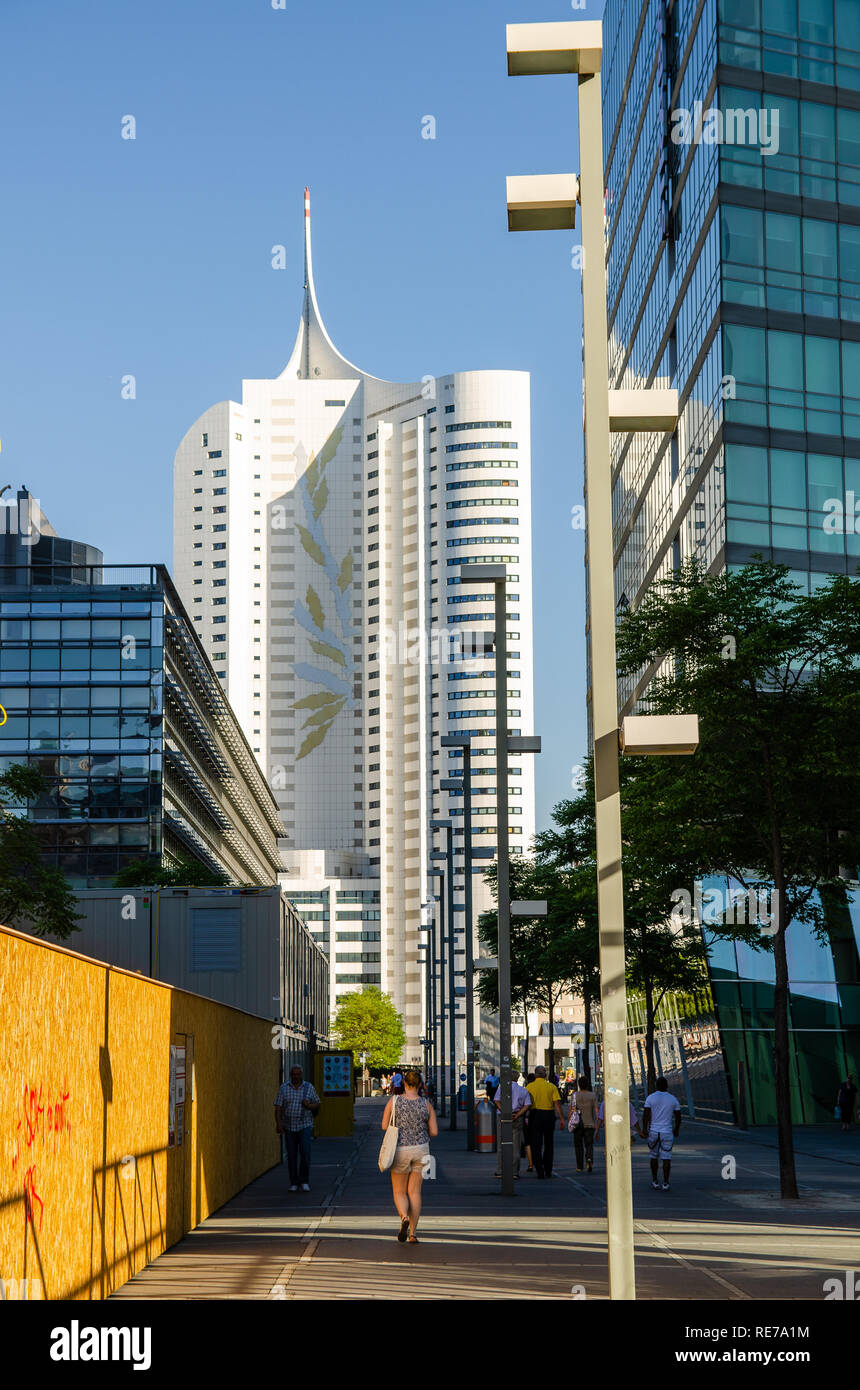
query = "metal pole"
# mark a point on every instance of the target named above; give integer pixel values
(691, 1109)
(470, 950)
(601, 592)
(452, 991)
(432, 1019)
(441, 1068)
(506, 1150)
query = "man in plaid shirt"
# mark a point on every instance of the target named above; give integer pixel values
(295, 1106)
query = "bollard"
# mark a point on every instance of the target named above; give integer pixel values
(485, 1127)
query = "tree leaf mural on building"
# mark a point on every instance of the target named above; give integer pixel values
(330, 447)
(323, 649)
(313, 740)
(320, 499)
(316, 701)
(310, 545)
(344, 578)
(315, 607)
(323, 716)
(323, 637)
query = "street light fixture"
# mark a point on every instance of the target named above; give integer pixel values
(464, 785)
(437, 996)
(448, 855)
(497, 575)
(576, 47)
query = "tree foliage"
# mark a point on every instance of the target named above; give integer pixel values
(367, 1021)
(543, 949)
(661, 955)
(187, 873)
(772, 796)
(30, 891)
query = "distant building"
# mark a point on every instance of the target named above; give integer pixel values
(320, 526)
(31, 552)
(108, 692)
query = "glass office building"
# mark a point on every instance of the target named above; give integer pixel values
(732, 140)
(108, 692)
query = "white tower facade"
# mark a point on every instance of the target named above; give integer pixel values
(319, 528)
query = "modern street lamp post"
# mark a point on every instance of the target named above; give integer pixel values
(464, 785)
(545, 202)
(496, 575)
(448, 855)
(439, 966)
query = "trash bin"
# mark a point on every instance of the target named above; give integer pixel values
(485, 1127)
(462, 1097)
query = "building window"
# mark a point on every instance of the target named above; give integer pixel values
(479, 425)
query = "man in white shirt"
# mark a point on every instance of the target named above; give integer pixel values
(661, 1121)
(520, 1102)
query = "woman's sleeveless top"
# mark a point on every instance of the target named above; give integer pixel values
(410, 1116)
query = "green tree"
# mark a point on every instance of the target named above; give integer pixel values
(367, 1021)
(29, 890)
(772, 796)
(187, 873)
(661, 954)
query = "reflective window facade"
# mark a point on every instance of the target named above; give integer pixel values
(90, 719)
(108, 694)
(732, 146)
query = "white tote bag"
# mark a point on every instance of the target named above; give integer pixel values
(389, 1141)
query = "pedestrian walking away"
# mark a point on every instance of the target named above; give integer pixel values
(397, 1083)
(582, 1123)
(520, 1105)
(527, 1132)
(296, 1104)
(416, 1123)
(661, 1122)
(634, 1122)
(846, 1101)
(545, 1109)
(491, 1084)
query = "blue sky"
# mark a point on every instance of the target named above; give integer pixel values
(153, 256)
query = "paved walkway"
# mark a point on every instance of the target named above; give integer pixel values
(710, 1237)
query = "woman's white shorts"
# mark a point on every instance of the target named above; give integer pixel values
(409, 1158)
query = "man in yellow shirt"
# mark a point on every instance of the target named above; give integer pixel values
(545, 1101)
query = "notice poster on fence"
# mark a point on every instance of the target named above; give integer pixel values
(337, 1074)
(171, 1109)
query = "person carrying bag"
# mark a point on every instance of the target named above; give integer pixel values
(409, 1122)
(388, 1148)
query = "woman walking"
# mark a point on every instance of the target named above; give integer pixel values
(416, 1124)
(583, 1103)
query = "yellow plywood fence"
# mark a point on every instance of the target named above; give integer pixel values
(93, 1181)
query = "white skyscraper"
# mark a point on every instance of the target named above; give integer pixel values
(319, 529)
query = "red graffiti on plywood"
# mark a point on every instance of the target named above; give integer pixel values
(31, 1196)
(41, 1122)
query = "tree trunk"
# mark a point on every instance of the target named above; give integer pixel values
(650, 1070)
(781, 1037)
(551, 1067)
(586, 1063)
(782, 1055)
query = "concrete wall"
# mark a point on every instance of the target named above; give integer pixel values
(90, 1192)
